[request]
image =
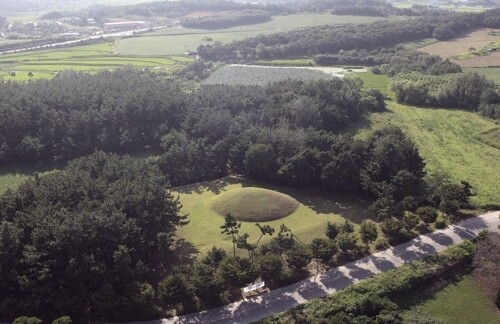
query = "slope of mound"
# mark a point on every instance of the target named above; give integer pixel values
(253, 204)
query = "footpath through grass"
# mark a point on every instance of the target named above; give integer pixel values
(460, 302)
(307, 222)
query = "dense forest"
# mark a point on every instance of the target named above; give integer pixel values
(331, 39)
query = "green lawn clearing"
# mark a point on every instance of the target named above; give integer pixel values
(307, 222)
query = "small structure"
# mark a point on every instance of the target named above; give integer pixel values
(254, 289)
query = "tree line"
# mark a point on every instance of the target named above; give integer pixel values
(391, 61)
(469, 91)
(330, 39)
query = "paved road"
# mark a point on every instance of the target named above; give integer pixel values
(77, 41)
(341, 277)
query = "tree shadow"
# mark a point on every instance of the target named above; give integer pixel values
(29, 169)
(352, 207)
(183, 252)
(215, 186)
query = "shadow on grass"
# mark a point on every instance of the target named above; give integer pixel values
(215, 186)
(28, 169)
(183, 252)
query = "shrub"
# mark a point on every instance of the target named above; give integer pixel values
(381, 243)
(440, 223)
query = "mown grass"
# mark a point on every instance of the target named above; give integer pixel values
(460, 302)
(448, 140)
(307, 222)
(254, 204)
(177, 40)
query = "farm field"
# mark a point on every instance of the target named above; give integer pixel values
(451, 141)
(236, 74)
(90, 58)
(177, 40)
(460, 46)
(460, 302)
(307, 222)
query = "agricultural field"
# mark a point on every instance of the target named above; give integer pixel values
(89, 58)
(458, 302)
(433, 82)
(460, 50)
(177, 40)
(308, 221)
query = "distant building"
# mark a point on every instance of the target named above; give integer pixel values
(124, 25)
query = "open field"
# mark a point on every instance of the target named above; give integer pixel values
(177, 40)
(478, 39)
(460, 302)
(91, 58)
(451, 141)
(307, 222)
(12, 177)
(489, 72)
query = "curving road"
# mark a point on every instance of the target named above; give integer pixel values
(341, 277)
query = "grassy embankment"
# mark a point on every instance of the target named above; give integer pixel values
(457, 142)
(89, 58)
(177, 40)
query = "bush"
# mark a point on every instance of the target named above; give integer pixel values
(440, 223)
(27, 320)
(62, 320)
(381, 243)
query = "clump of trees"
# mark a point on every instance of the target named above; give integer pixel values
(87, 241)
(469, 91)
(334, 38)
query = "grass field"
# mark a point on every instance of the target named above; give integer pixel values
(307, 222)
(451, 141)
(90, 58)
(12, 177)
(457, 142)
(460, 302)
(177, 40)
(489, 72)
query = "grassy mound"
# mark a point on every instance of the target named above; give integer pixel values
(253, 204)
